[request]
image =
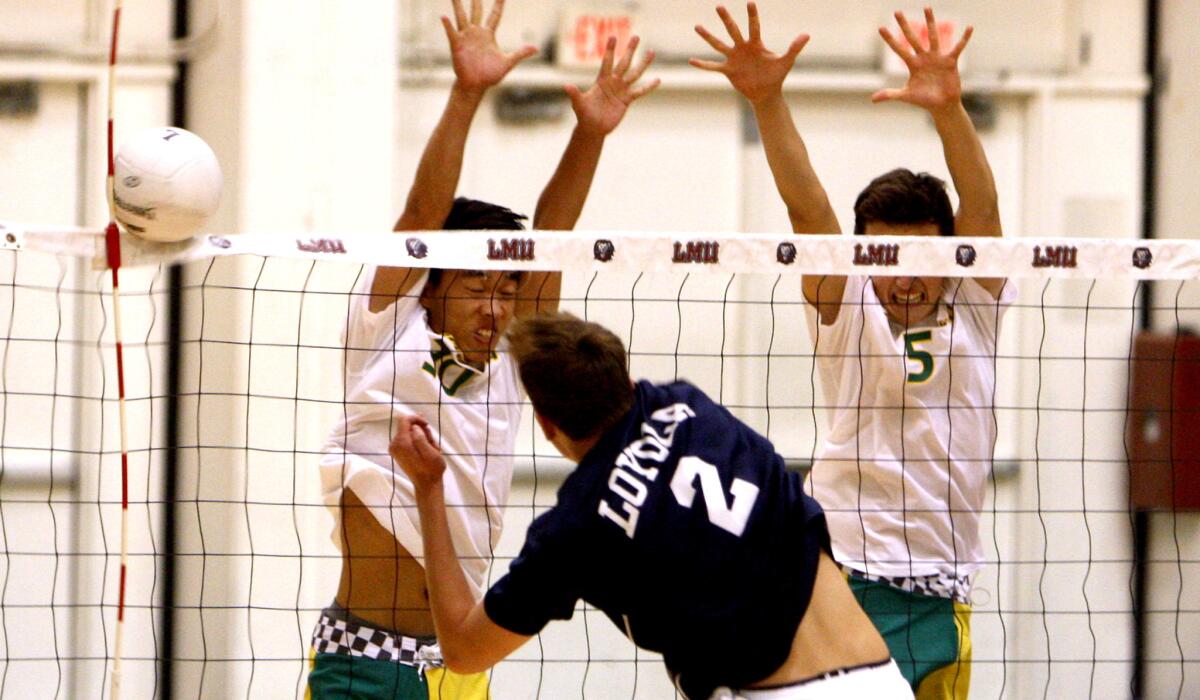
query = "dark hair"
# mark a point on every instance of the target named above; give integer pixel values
(574, 372)
(904, 197)
(474, 215)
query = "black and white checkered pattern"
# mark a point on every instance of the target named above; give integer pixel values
(957, 588)
(337, 635)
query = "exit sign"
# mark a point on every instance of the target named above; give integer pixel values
(585, 28)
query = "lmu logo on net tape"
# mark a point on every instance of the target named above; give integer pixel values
(510, 249)
(321, 245)
(877, 254)
(703, 252)
(1055, 256)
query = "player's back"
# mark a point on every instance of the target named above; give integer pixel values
(697, 542)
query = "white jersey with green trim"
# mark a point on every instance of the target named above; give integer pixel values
(904, 465)
(394, 366)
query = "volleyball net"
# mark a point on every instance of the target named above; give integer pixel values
(233, 369)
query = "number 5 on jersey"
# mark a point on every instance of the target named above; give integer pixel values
(731, 518)
(926, 360)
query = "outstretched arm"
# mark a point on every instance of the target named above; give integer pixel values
(470, 641)
(478, 65)
(598, 112)
(934, 84)
(758, 74)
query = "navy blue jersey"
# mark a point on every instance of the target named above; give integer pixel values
(683, 527)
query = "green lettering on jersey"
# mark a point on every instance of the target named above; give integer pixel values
(446, 368)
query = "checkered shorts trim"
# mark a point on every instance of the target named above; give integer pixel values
(337, 635)
(956, 588)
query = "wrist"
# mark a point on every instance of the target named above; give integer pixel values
(469, 94)
(950, 112)
(427, 488)
(589, 132)
(768, 101)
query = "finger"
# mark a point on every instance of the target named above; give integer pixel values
(715, 66)
(935, 42)
(627, 59)
(476, 11)
(573, 92)
(493, 20)
(423, 446)
(909, 34)
(451, 32)
(609, 48)
(904, 52)
(713, 41)
(460, 15)
(636, 75)
(795, 48)
(730, 26)
(521, 54)
(642, 91)
(755, 24)
(428, 432)
(888, 95)
(962, 42)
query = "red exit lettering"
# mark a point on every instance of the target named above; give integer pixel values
(592, 33)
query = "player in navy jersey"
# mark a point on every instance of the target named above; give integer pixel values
(680, 523)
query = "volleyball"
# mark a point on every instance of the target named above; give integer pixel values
(167, 183)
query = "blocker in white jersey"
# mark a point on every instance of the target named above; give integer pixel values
(396, 365)
(903, 469)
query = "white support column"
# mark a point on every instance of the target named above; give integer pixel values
(298, 101)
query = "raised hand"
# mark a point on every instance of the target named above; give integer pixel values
(478, 61)
(753, 70)
(933, 79)
(412, 447)
(601, 108)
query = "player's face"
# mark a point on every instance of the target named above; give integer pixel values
(907, 300)
(474, 308)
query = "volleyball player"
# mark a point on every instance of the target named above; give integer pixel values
(909, 362)
(430, 345)
(680, 523)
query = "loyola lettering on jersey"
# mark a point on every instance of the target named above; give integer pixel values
(626, 478)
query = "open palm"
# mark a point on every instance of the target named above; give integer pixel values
(478, 61)
(602, 107)
(933, 77)
(752, 69)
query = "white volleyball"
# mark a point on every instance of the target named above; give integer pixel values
(167, 183)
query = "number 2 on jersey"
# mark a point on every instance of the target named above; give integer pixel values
(926, 360)
(729, 518)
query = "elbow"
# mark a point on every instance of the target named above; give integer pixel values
(461, 659)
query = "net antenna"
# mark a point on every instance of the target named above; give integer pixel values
(112, 240)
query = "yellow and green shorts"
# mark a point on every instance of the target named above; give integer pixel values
(929, 636)
(351, 660)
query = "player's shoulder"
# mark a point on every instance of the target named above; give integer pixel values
(655, 398)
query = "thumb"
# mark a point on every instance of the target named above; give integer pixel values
(521, 54)
(795, 48)
(887, 95)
